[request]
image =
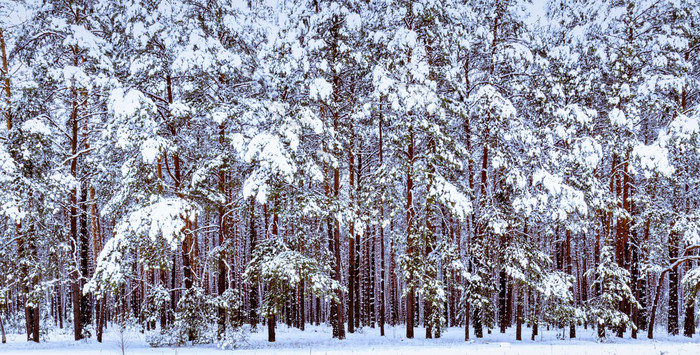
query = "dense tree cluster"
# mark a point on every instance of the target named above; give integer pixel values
(191, 167)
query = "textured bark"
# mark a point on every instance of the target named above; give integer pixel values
(519, 314)
(466, 321)
(2, 330)
(410, 295)
(371, 279)
(673, 284)
(271, 322)
(393, 282)
(253, 296)
(339, 331)
(382, 285)
(358, 296)
(85, 300)
(502, 319)
(689, 322)
(351, 246)
(301, 317)
(221, 282)
(6, 82)
(568, 269)
(75, 281)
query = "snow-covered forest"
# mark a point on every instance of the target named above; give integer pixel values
(201, 169)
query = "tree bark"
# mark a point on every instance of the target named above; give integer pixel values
(271, 322)
(673, 288)
(382, 272)
(410, 295)
(689, 322)
(253, 296)
(351, 244)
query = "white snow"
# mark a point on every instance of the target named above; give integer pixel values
(36, 126)
(618, 118)
(318, 340)
(653, 158)
(320, 89)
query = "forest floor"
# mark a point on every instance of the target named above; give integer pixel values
(317, 340)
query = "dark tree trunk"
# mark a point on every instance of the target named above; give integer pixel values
(502, 319)
(393, 284)
(466, 322)
(569, 270)
(478, 327)
(518, 314)
(301, 319)
(689, 323)
(410, 295)
(673, 286)
(271, 322)
(351, 247)
(85, 300)
(382, 272)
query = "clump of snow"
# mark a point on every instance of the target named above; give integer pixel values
(164, 217)
(36, 126)
(489, 99)
(320, 89)
(685, 126)
(618, 118)
(130, 103)
(7, 164)
(83, 38)
(451, 196)
(353, 22)
(653, 158)
(75, 77)
(218, 117)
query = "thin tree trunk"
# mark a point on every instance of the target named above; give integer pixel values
(673, 288)
(351, 244)
(519, 314)
(410, 295)
(75, 283)
(271, 322)
(2, 329)
(221, 282)
(5, 73)
(569, 271)
(253, 296)
(382, 271)
(689, 323)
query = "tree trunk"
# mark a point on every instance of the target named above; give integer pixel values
(336, 252)
(351, 246)
(393, 284)
(466, 321)
(2, 325)
(5, 73)
(253, 296)
(569, 270)
(410, 295)
(301, 317)
(221, 282)
(673, 288)
(75, 283)
(518, 314)
(271, 322)
(502, 319)
(535, 321)
(689, 323)
(382, 272)
(358, 298)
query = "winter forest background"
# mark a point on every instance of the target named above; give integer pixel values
(195, 168)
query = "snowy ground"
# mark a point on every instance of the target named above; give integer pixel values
(317, 340)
